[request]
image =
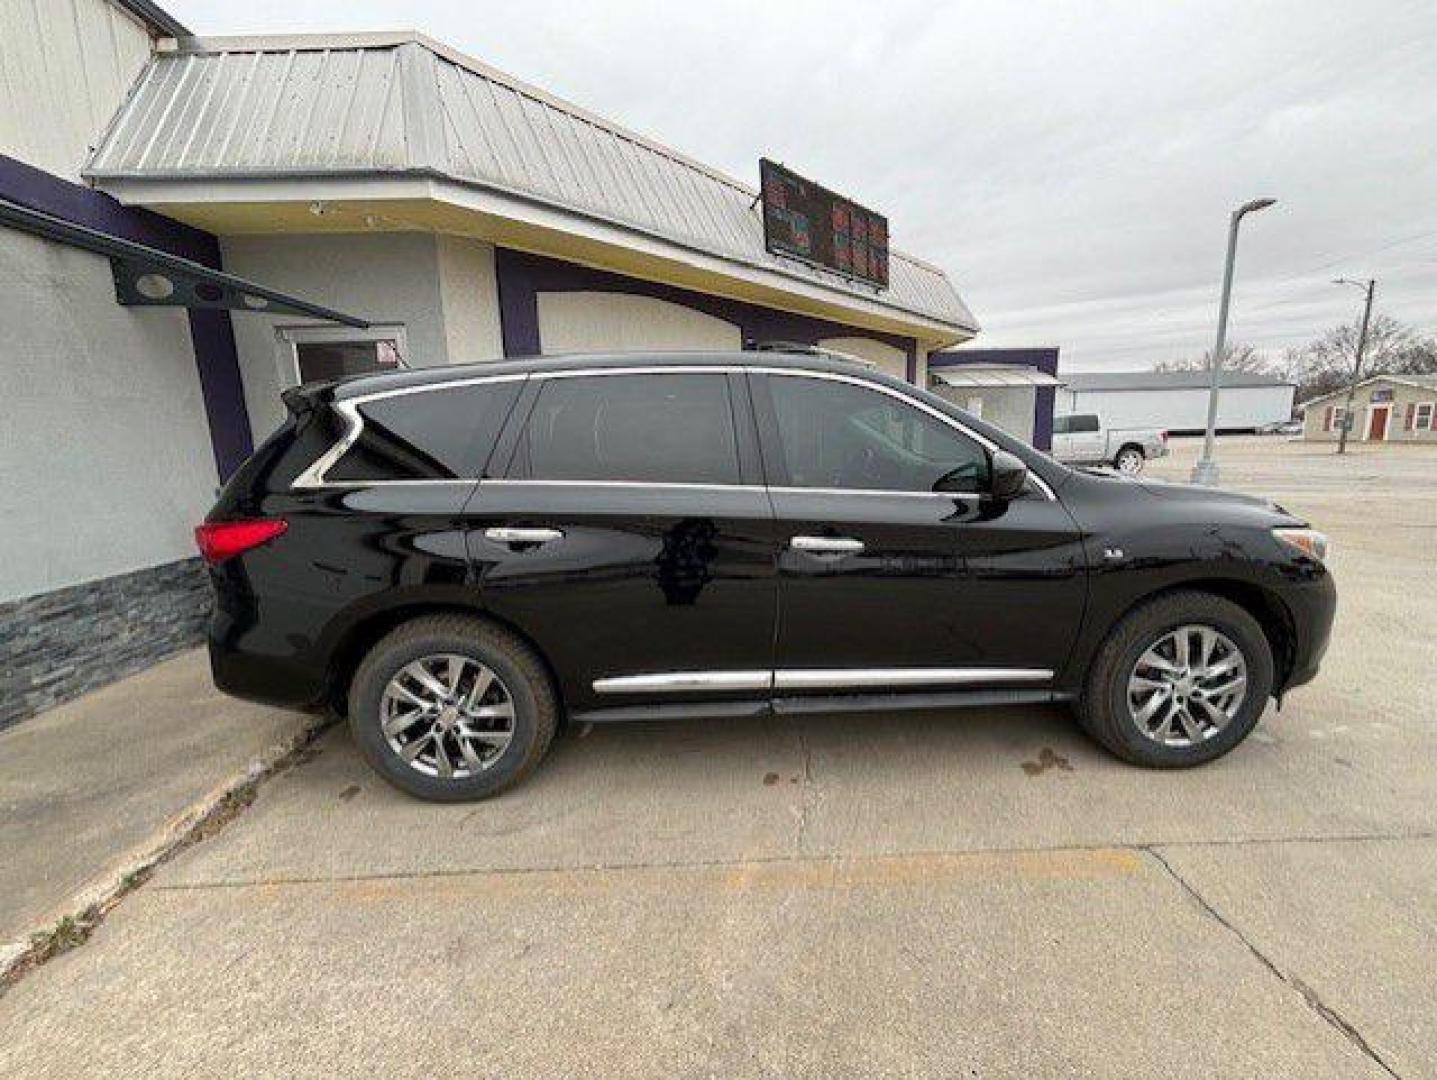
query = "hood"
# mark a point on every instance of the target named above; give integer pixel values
(1188, 494)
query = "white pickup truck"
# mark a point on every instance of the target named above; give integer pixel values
(1081, 439)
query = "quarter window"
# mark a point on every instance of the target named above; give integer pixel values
(665, 428)
(439, 434)
(838, 435)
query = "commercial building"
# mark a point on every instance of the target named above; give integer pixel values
(188, 226)
(1177, 401)
(1014, 389)
(1385, 408)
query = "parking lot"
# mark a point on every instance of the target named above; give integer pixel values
(929, 894)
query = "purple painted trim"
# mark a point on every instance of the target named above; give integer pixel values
(521, 277)
(211, 332)
(1045, 360)
(212, 335)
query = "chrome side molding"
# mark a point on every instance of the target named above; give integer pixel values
(864, 678)
(826, 545)
(506, 535)
(816, 679)
(674, 681)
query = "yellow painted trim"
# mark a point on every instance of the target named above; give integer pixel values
(438, 216)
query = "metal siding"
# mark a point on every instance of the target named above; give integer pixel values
(65, 67)
(1186, 409)
(282, 110)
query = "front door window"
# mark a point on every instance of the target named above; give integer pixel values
(839, 435)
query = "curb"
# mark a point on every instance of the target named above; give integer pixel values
(72, 922)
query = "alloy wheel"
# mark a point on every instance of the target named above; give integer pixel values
(1187, 686)
(447, 716)
(1130, 461)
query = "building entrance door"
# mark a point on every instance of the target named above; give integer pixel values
(1377, 422)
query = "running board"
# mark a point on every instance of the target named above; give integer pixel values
(812, 705)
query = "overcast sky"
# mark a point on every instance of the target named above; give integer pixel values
(1070, 165)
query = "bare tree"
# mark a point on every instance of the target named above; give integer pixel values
(1327, 364)
(1235, 358)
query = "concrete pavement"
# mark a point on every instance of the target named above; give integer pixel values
(95, 789)
(978, 893)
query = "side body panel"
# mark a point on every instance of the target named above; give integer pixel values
(645, 579)
(1145, 537)
(283, 610)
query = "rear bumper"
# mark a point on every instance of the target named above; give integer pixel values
(248, 663)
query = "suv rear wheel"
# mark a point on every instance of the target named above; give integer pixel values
(1180, 681)
(451, 708)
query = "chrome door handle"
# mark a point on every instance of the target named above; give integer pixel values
(826, 545)
(506, 535)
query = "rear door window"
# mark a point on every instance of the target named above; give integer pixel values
(641, 428)
(441, 434)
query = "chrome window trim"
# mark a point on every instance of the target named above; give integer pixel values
(668, 485)
(882, 492)
(313, 477)
(815, 679)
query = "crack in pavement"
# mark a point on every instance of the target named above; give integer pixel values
(1330, 1015)
(756, 860)
(805, 783)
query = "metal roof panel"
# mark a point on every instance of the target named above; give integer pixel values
(251, 108)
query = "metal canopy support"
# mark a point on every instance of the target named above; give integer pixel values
(148, 277)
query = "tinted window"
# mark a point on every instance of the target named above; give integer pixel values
(654, 428)
(1060, 425)
(431, 435)
(340, 359)
(838, 435)
(1084, 422)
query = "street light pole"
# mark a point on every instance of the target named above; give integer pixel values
(1205, 471)
(1369, 289)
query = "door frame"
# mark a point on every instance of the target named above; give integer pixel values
(1372, 410)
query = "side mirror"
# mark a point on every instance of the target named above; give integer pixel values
(1009, 475)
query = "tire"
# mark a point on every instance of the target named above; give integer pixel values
(1130, 460)
(1105, 710)
(521, 687)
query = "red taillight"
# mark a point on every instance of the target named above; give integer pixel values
(1163, 435)
(221, 540)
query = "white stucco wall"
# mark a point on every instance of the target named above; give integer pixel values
(65, 67)
(889, 359)
(390, 278)
(469, 294)
(107, 458)
(619, 322)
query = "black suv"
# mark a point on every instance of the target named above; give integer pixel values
(462, 558)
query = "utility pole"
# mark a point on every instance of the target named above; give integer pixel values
(1205, 471)
(1369, 289)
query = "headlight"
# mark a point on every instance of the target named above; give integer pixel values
(1308, 541)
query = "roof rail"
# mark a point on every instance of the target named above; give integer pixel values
(806, 350)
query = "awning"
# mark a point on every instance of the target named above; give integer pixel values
(148, 277)
(970, 375)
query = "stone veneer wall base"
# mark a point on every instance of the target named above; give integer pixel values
(58, 645)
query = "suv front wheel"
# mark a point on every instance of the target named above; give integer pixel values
(451, 708)
(1180, 681)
